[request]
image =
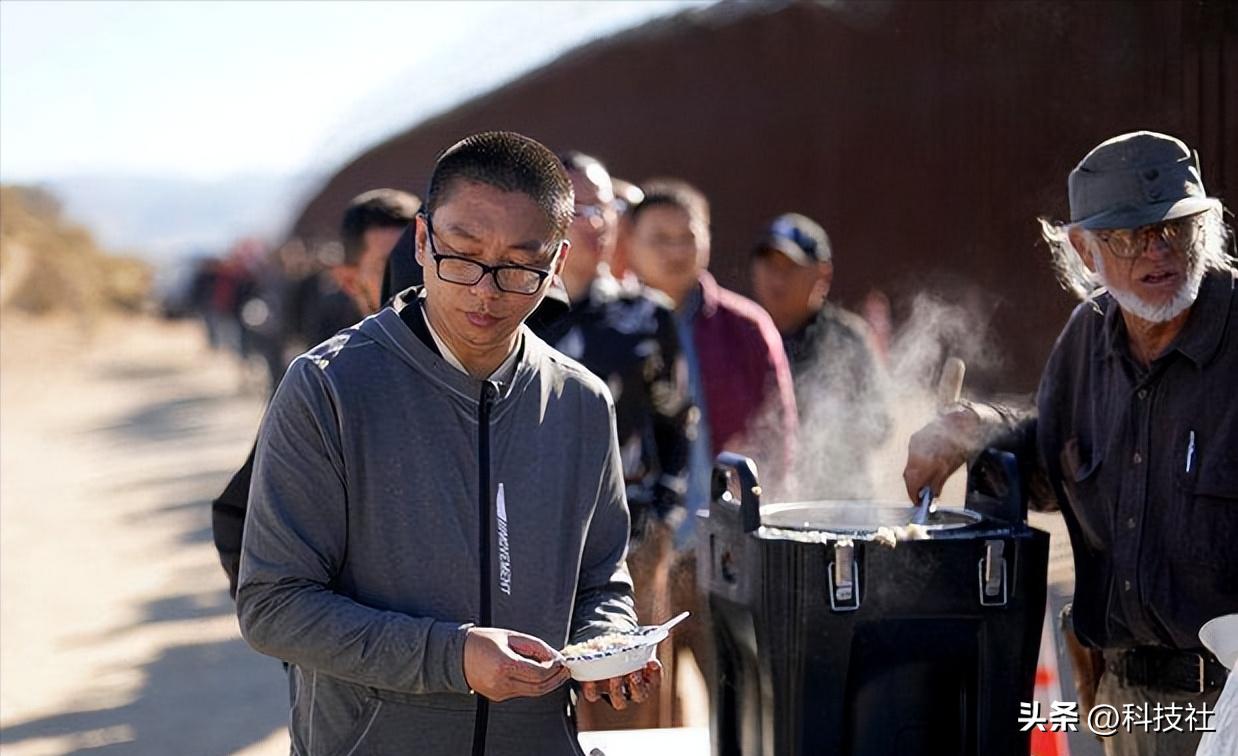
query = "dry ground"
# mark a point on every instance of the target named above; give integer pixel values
(116, 631)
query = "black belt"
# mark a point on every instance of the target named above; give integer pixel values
(1166, 669)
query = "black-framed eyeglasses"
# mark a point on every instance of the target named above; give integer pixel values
(1129, 243)
(513, 279)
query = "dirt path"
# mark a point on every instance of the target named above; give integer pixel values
(116, 631)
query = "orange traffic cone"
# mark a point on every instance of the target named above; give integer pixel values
(1049, 689)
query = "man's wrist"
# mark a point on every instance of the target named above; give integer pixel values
(973, 425)
(447, 642)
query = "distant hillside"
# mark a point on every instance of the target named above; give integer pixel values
(162, 218)
(49, 264)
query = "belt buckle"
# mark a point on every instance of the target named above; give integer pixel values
(1165, 672)
(1184, 679)
(1201, 677)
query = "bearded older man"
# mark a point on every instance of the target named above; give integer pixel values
(1135, 432)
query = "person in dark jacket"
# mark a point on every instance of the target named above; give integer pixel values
(839, 385)
(350, 287)
(370, 224)
(1134, 434)
(625, 335)
(438, 498)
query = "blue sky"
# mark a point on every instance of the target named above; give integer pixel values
(210, 90)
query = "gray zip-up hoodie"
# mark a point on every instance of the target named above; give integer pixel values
(386, 483)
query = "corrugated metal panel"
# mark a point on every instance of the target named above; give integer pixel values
(925, 136)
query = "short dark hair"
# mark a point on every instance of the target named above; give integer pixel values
(377, 208)
(673, 192)
(509, 162)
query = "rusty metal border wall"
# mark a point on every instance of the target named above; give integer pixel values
(925, 136)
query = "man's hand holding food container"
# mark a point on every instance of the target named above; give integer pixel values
(502, 664)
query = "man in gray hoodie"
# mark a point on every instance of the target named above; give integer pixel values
(438, 499)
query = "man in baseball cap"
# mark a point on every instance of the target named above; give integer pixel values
(792, 269)
(1133, 434)
(838, 381)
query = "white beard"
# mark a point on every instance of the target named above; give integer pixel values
(1130, 302)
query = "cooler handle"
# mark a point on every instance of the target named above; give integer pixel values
(995, 487)
(749, 489)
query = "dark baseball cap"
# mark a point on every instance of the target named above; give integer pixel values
(1137, 179)
(798, 237)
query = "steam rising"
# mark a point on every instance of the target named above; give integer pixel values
(854, 426)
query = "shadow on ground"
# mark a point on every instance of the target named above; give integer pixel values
(194, 512)
(172, 711)
(128, 372)
(164, 421)
(214, 696)
(189, 486)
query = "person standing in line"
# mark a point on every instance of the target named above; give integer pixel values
(370, 224)
(625, 334)
(438, 496)
(839, 384)
(737, 373)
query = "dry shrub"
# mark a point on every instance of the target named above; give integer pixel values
(48, 264)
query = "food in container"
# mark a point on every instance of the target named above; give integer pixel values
(616, 654)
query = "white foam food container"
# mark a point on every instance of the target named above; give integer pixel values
(635, 652)
(1220, 636)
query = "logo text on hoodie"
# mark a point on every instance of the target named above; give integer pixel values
(505, 552)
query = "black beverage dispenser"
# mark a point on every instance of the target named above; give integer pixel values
(831, 642)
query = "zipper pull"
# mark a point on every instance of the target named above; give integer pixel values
(1190, 451)
(488, 392)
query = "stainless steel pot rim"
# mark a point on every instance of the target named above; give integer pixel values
(858, 517)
